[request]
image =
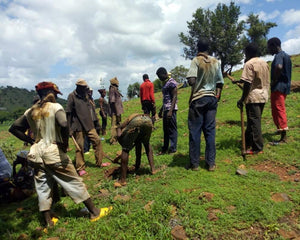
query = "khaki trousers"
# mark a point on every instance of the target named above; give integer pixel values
(115, 122)
(96, 143)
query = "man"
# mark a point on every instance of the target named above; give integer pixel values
(205, 78)
(281, 74)
(147, 97)
(255, 79)
(135, 131)
(104, 110)
(87, 142)
(48, 121)
(81, 123)
(116, 108)
(168, 111)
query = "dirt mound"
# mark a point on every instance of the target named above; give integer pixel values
(285, 173)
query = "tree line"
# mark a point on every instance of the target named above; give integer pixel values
(227, 35)
(178, 73)
(14, 101)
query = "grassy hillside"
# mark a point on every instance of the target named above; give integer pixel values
(13, 98)
(264, 204)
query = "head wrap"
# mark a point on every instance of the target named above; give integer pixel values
(47, 85)
(114, 81)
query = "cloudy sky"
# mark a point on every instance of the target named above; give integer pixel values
(63, 40)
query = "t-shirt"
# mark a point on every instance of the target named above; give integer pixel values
(207, 71)
(284, 82)
(256, 72)
(167, 94)
(43, 123)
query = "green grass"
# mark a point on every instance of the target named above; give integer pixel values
(242, 206)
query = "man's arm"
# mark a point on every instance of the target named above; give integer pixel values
(69, 112)
(101, 107)
(219, 88)
(191, 81)
(246, 90)
(237, 82)
(152, 98)
(141, 93)
(277, 72)
(18, 129)
(173, 103)
(61, 119)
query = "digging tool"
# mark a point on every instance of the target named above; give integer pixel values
(243, 133)
(113, 160)
(76, 144)
(234, 81)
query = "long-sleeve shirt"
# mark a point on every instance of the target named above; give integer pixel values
(147, 91)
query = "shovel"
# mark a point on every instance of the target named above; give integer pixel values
(243, 133)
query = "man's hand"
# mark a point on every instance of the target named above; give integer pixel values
(63, 146)
(71, 133)
(160, 114)
(240, 103)
(191, 81)
(169, 114)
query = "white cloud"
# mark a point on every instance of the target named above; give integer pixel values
(291, 46)
(268, 16)
(291, 16)
(293, 32)
(94, 39)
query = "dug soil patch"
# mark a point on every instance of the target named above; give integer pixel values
(285, 173)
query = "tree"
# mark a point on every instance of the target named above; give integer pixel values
(224, 32)
(257, 32)
(222, 28)
(158, 84)
(133, 90)
(179, 73)
(225, 29)
(4, 116)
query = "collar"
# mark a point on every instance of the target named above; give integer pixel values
(205, 57)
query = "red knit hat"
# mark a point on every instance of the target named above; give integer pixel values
(47, 85)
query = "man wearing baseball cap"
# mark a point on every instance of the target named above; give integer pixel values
(48, 153)
(81, 124)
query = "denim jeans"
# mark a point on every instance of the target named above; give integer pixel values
(202, 114)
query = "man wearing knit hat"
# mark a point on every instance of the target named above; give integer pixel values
(116, 107)
(81, 124)
(48, 153)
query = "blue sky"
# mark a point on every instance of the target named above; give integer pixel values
(62, 41)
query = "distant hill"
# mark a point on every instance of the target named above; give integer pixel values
(13, 98)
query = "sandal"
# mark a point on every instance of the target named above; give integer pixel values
(106, 164)
(54, 220)
(103, 212)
